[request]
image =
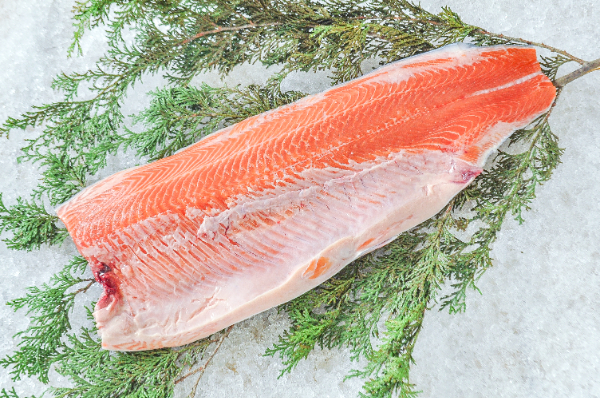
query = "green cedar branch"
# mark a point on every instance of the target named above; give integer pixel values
(220, 29)
(50, 305)
(30, 225)
(178, 117)
(10, 394)
(98, 373)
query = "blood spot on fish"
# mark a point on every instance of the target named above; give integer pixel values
(468, 175)
(103, 270)
(104, 274)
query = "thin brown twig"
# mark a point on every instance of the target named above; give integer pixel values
(584, 70)
(202, 368)
(198, 343)
(228, 29)
(192, 393)
(501, 36)
(533, 43)
(251, 25)
(85, 288)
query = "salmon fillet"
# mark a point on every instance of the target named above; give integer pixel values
(260, 212)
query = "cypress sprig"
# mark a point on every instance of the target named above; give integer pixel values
(50, 305)
(178, 117)
(98, 373)
(383, 295)
(30, 224)
(11, 394)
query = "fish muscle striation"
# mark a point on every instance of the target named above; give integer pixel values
(264, 210)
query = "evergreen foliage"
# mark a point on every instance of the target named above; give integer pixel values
(98, 373)
(382, 296)
(10, 394)
(179, 116)
(41, 343)
(30, 225)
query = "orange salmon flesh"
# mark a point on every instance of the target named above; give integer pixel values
(262, 211)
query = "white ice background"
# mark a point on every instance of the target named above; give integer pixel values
(535, 331)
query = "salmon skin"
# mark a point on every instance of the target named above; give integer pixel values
(260, 212)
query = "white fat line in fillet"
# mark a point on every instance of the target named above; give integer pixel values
(507, 85)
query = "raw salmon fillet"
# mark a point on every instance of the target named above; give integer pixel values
(262, 211)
